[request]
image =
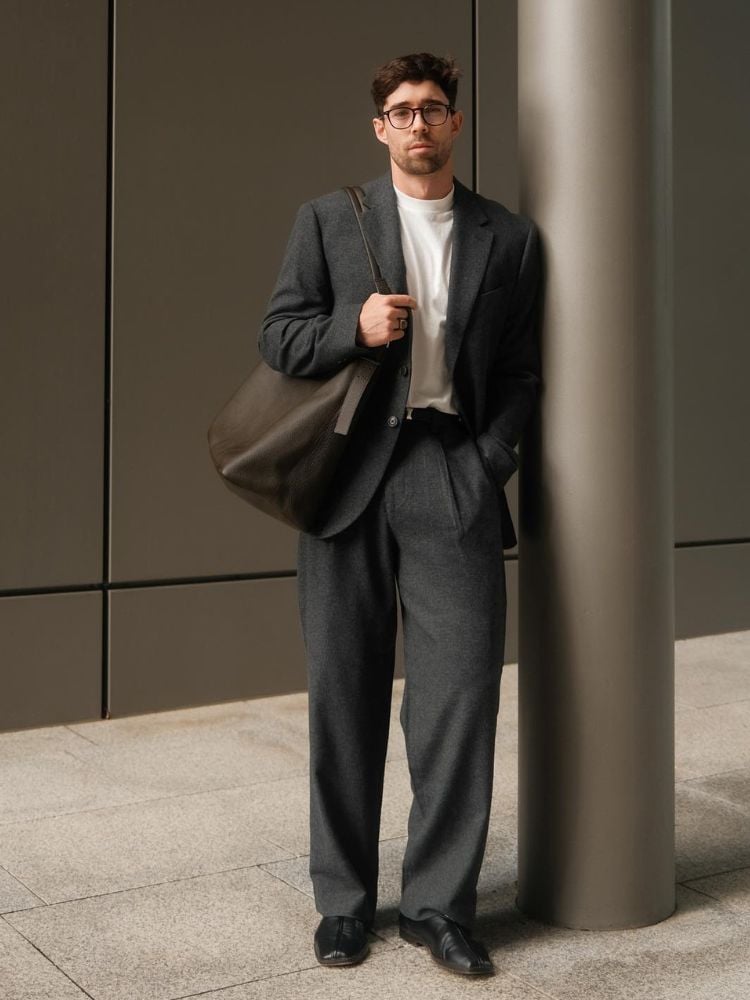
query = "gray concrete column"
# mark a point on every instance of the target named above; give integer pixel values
(596, 639)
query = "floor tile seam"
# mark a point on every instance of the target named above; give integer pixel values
(703, 777)
(121, 805)
(101, 772)
(217, 991)
(528, 983)
(686, 883)
(740, 809)
(307, 895)
(177, 740)
(726, 911)
(271, 861)
(155, 798)
(17, 878)
(40, 755)
(388, 840)
(716, 774)
(287, 741)
(254, 711)
(150, 885)
(693, 709)
(70, 727)
(294, 855)
(702, 792)
(46, 749)
(717, 704)
(47, 958)
(264, 979)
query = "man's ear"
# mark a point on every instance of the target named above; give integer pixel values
(458, 120)
(380, 133)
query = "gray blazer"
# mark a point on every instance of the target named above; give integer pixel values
(491, 342)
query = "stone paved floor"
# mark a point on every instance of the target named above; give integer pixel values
(165, 856)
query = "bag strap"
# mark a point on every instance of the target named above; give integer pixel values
(364, 373)
(357, 197)
(366, 367)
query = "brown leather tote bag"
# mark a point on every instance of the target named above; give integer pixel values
(278, 440)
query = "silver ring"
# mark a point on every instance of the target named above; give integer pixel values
(402, 323)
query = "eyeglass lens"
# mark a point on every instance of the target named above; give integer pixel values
(432, 114)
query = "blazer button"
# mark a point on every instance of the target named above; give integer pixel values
(404, 369)
(393, 421)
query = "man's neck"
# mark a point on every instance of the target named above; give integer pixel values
(432, 186)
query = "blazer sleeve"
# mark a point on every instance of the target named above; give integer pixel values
(516, 372)
(306, 330)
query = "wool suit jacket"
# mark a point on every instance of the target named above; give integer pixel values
(491, 337)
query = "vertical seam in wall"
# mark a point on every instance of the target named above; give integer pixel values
(109, 252)
(474, 96)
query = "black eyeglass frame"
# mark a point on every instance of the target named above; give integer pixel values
(449, 110)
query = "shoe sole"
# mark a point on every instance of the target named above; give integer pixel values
(413, 939)
(349, 960)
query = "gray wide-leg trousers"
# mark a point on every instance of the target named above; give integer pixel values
(433, 529)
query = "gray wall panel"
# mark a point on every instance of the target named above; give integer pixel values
(497, 100)
(221, 131)
(172, 647)
(50, 651)
(712, 589)
(497, 124)
(712, 249)
(53, 106)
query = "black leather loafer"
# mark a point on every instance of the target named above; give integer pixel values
(341, 941)
(449, 942)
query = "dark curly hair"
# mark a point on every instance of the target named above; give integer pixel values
(416, 67)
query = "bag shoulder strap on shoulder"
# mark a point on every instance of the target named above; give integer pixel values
(357, 197)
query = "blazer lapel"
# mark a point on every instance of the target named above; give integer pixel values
(382, 227)
(472, 241)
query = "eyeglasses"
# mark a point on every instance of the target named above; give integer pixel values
(432, 114)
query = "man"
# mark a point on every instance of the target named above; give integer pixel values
(418, 505)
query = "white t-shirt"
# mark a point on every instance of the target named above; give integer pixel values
(427, 241)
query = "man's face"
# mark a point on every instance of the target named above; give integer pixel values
(420, 148)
